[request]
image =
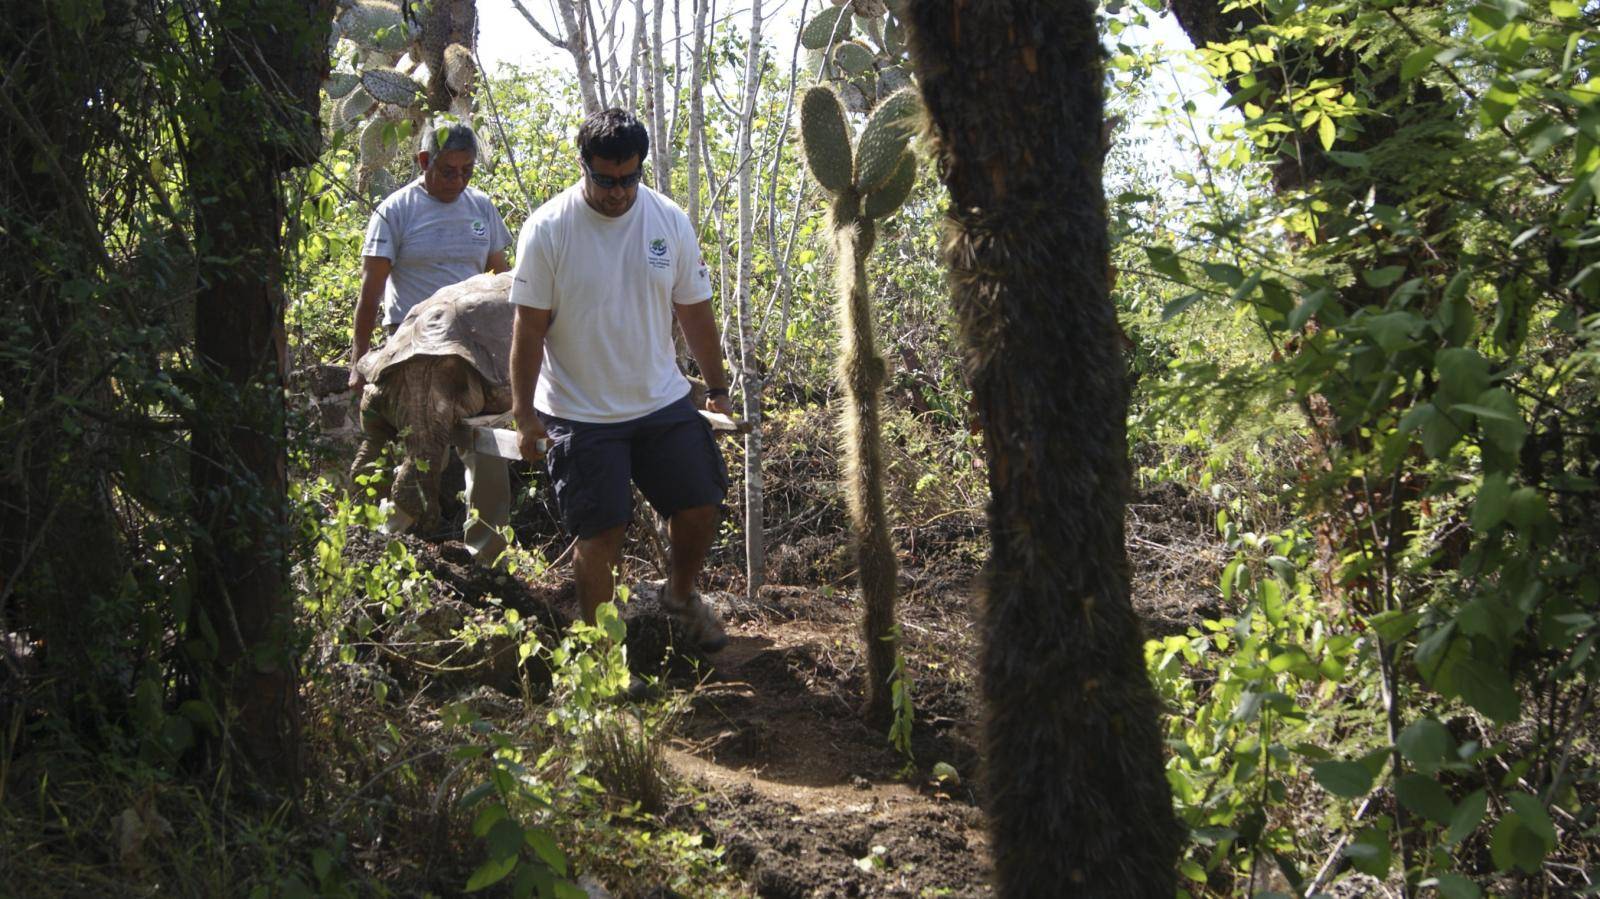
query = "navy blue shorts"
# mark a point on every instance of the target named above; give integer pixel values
(669, 453)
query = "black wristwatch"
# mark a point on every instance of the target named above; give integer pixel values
(714, 392)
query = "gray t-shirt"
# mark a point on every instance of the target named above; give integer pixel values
(431, 243)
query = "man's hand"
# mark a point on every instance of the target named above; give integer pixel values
(356, 380)
(532, 440)
(720, 404)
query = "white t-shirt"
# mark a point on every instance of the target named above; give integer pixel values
(609, 284)
(432, 244)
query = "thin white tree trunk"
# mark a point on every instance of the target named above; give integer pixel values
(575, 42)
(750, 374)
(697, 110)
(660, 139)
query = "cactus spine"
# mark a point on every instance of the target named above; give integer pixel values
(861, 371)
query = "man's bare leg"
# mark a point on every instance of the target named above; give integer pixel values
(690, 532)
(592, 563)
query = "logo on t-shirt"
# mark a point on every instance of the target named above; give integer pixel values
(658, 253)
(479, 229)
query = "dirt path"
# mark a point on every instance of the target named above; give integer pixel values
(807, 800)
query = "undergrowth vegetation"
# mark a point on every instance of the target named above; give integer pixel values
(1355, 251)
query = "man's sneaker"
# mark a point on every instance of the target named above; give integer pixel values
(699, 623)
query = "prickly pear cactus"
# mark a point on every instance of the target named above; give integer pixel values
(882, 202)
(369, 90)
(861, 371)
(884, 139)
(826, 138)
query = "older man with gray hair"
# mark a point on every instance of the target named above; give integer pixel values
(432, 233)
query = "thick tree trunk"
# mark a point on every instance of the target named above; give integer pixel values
(1077, 800)
(242, 605)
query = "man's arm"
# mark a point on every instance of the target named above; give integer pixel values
(700, 333)
(497, 263)
(527, 355)
(374, 277)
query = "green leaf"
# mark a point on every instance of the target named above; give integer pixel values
(1485, 685)
(1350, 780)
(490, 873)
(1534, 817)
(1426, 744)
(1423, 795)
(1224, 273)
(1416, 61)
(1327, 131)
(1307, 307)
(1501, 419)
(1439, 434)
(1392, 330)
(504, 839)
(1394, 625)
(1515, 845)
(1349, 158)
(1463, 373)
(1165, 261)
(1383, 277)
(1489, 508)
(544, 846)
(488, 818)
(1177, 307)
(1369, 852)
(1526, 509)
(1454, 886)
(1468, 815)
(1565, 9)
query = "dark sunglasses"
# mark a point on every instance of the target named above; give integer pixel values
(607, 182)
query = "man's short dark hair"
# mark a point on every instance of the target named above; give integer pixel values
(613, 134)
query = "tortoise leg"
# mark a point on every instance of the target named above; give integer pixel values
(376, 433)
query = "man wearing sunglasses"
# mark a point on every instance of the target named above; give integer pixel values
(432, 233)
(602, 270)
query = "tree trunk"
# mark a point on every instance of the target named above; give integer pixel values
(749, 365)
(697, 112)
(1077, 800)
(660, 139)
(577, 44)
(243, 609)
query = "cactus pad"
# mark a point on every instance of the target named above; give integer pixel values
(825, 138)
(852, 58)
(357, 104)
(828, 25)
(340, 84)
(884, 139)
(375, 25)
(886, 199)
(391, 86)
(459, 67)
(375, 151)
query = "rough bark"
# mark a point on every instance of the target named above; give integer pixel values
(1076, 797)
(861, 374)
(243, 609)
